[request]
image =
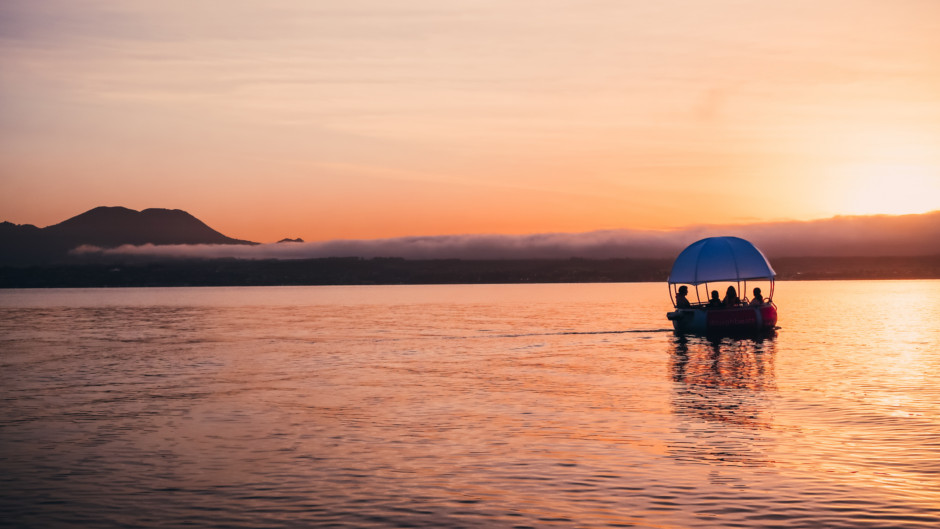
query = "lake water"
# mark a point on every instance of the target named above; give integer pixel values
(466, 406)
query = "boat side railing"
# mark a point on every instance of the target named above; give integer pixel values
(742, 305)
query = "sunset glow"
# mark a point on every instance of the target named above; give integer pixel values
(891, 189)
(891, 170)
(367, 119)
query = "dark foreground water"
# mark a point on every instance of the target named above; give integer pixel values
(466, 406)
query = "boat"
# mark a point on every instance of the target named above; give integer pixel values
(716, 263)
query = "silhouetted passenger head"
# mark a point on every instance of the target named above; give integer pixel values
(683, 290)
(731, 297)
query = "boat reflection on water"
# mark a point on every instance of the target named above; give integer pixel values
(721, 397)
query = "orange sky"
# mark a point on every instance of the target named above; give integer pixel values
(368, 119)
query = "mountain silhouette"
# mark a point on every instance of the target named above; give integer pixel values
(104, 227)
(109, 227)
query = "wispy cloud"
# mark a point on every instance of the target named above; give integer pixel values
(839, 236)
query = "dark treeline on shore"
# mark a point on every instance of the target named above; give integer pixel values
(356, 271)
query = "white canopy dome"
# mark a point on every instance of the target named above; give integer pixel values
(720, 259)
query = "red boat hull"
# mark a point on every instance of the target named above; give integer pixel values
(732, 319)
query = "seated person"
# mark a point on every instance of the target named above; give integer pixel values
(731, 298)
(758, 298)
(682, 302)
(715, 301)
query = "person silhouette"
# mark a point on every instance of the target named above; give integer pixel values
(731, 297)
(682, 302)
(758, 298)
(715, 301)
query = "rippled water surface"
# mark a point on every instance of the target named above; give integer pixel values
(466, 406)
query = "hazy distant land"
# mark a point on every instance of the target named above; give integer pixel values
(116, 247)
(357, 271)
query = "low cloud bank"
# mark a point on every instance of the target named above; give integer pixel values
(879, 235)
(596, 245)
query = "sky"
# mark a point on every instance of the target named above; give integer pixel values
(368, 119)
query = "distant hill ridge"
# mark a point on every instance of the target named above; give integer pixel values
(169, 234)
(110, 227)
(105, 227)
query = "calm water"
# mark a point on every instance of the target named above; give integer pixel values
(466, 406)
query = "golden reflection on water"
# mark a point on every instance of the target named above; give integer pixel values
(846, 391)
(719, 379)
(721, 396)
(569, 405)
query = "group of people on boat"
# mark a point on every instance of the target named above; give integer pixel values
(730, 300)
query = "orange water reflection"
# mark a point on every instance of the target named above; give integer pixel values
(721, 396)
(719, 379)
(528, 405)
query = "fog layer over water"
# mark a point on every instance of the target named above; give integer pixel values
(466, 406)
(874, 235)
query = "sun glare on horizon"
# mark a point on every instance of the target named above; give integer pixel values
(888, 189)
(879, 169)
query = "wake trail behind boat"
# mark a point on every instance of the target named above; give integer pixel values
(566, 333)
(533, 334)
